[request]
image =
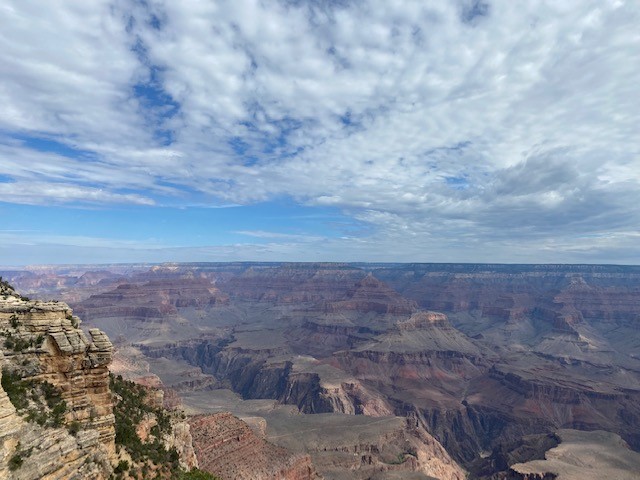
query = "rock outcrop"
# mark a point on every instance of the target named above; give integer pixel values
(228, 448)
(372, 295)
(58, 410)
(582, 456)
(363, 447)
(292, 283)
(68, 433)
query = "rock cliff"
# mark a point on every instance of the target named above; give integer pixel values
(56, 407)
(228, 448)
(518, 350)
(59, 406)
(293, 283)
(582, 456)
(372, 295)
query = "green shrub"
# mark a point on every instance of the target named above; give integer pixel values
(17, 459)
(16, 388)
(123, 466)
(19, 344)
(129, 410)
(74, 427)
(131, 407)
(46, 408)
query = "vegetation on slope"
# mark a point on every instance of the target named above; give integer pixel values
(6, 289)
(151, 459)
(40, 402)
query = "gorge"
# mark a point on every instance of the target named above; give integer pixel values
(374, 370)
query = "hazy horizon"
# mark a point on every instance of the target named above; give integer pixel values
(106, 265)
(464, 131)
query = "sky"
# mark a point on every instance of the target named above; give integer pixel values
(326, 130)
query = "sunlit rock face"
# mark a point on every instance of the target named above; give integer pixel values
(228, 448)
(42, 345)
(292, 283)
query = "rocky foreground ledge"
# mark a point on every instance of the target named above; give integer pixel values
(58, 409)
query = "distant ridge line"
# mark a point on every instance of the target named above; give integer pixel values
(452, 267)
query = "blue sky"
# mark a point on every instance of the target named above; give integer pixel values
(465, 130)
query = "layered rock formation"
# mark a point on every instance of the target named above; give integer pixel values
(150, 300)
(372, 295)
(137, 311)
(361, 447)
(228, 448)
(57, 406)
(582, 456)
(292, 283)
(71, 433)
(528, 363)
(517, 349)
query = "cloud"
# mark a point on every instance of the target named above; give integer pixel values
(487, 127)
(38, 193)
(24, 238)
(279, 235)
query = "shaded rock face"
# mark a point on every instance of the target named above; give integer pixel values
(227, 447)
(42, 344)
(499, 462)
(250, 374)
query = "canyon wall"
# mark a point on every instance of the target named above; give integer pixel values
(59, 376)
(229, 449)
(479, 356)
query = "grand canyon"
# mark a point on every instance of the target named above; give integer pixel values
(381, 371)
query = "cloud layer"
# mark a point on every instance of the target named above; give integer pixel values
(495, 131)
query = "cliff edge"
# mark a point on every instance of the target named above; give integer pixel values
(56, 409)
(62, 416)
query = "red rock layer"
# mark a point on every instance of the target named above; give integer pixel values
(298, 283)
(152, 300)
(372, 295)
(227, 447)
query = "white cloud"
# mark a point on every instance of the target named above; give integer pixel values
(280, 235)
(38, 193)
(503, 134)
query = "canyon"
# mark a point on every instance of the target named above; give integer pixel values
(373, 370)
(60, 416)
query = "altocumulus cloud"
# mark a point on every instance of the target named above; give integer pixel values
(492, 130)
